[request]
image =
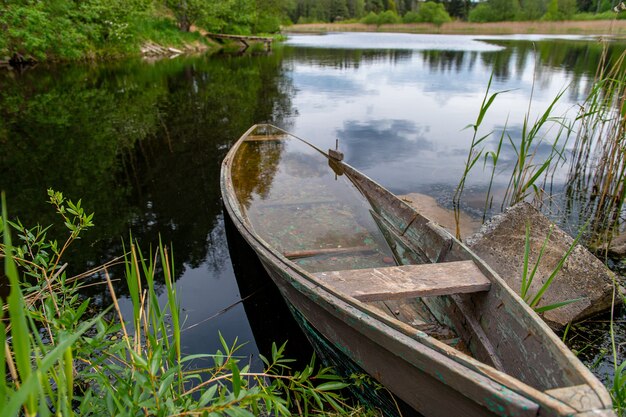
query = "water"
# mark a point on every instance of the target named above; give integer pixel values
(298, 205)
(141, 143)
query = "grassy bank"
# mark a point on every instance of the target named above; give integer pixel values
(28, 39)
(104, 29)
(590, 27)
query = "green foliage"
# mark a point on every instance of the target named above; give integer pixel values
(458, 8)
(370, 19)
(431, 12)
(411, 17)
(532, 9)
(495, 10)
(475, 152)
(338, 10)
(384, 18)
(428, 12)
(68, 29)
(388, 17)
(533, 300)
(73, 29)
(59, 361)
(560, 10)
(608, 15)
(482, 13)
(187, 12)
(618, 387)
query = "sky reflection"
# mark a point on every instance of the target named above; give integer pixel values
(402, 121)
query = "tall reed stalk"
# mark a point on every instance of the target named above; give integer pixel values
(475, 152)
(528, 177)
(597, 174)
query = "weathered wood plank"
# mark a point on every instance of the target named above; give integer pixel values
(257, 138)
(579, 397)
(402, 249)
(430, 239)
(407, 281)
(281, 204)
(326, 251)
(239, 37)
(335, 154)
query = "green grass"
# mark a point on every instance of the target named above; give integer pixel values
(58, 360)
(164, 31)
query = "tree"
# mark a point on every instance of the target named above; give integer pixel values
(495, 11)
(391, 5)
(187, 12)
(432, 12)
(388, 17)
(338, 10)
(375, 6)
(532, 9)
(270, 14)
(457, 8)
(560, 10)
(356, 8)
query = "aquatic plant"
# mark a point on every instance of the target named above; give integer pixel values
(596, 184)
(533, 300)
(618, 387)
(474, 154)
(59, 360)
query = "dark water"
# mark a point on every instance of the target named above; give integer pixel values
(141, 143)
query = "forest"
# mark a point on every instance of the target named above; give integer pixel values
(413, 11)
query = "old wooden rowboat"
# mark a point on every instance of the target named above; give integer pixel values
(406, 301)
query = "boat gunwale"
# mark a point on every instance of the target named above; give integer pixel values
(421, 338)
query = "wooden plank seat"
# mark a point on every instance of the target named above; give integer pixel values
(256, 138)
(398, 282)
(327, 251)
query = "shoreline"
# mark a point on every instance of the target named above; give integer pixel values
(616, 28)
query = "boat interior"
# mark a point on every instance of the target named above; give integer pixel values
(328, 219)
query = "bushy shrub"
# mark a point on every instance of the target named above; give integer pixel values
(531, 9)
(370, 19)
(482, 13)
(560, 10)
(596, 16)
(68, 30)
(267, 23)
(388, 17)
(496, 11)
(432, 12)
(411, 17)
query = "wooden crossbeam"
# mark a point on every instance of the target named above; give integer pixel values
(252, 138)
(327, 251)
(406, 281)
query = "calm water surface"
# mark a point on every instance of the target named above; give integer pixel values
(141, 143)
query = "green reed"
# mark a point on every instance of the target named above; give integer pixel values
(596, 185)
(528, 176)
(597, 174)
(474, 154)
(618, 388)
(116, 365)
(528, 276)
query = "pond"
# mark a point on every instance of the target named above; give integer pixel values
(141, 144)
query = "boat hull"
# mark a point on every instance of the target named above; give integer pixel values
(392, 363)
(520, 368)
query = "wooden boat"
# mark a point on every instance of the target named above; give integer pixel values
(396, 293)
